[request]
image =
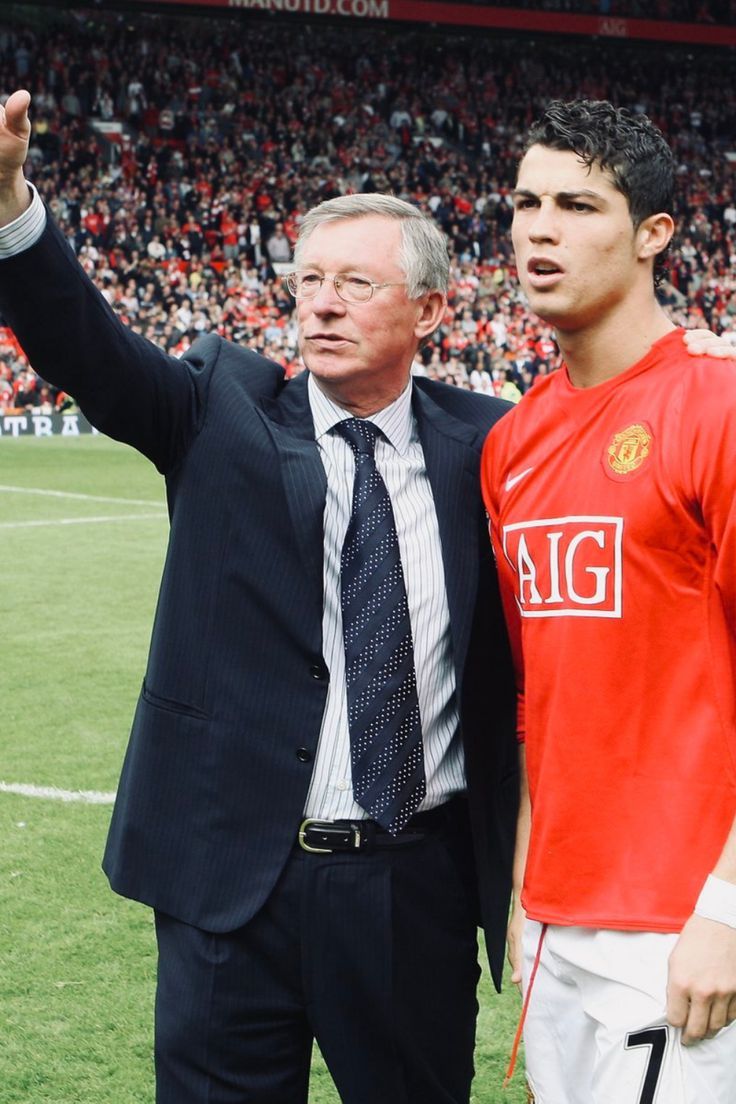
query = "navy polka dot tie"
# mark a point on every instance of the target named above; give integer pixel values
(386, 750)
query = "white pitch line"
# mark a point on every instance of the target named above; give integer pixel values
(81, 520)
(83, 497)
(53, 793)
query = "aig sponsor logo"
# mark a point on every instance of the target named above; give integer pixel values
(568, 566)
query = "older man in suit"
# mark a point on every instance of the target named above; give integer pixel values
(320, 790)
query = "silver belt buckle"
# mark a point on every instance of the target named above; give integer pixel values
(326, 826)
(303, 841)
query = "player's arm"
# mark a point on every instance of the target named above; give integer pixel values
(523, 828)
(701, 990)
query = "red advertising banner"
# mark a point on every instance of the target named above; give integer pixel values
(476, 15)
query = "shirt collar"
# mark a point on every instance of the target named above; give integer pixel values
(395, 421)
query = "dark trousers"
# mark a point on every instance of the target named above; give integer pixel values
(375, 955)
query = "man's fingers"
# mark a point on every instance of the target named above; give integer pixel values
(706, 343)
(678, 1006)
(698, 1021)
(704, 1018)
(718, 1018)
(16, 113)
(514, 942)
(514, 956)
(516, 976)
(699, 1017)
(724, 350)
(699, 336)
(514, 961)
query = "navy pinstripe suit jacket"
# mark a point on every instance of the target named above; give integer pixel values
(228, 718)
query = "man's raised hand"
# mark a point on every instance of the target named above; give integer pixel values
(15, 131)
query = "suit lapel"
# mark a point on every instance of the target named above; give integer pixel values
(451, 452)
(289, 420)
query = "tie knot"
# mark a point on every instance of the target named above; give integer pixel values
(359, 434)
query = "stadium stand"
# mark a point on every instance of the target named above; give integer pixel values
(679, 11)
(179, 157)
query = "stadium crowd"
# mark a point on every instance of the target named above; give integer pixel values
(179, 157)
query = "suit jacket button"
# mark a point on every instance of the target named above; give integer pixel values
(318, 671)
(304, 755)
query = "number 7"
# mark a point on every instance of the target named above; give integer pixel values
(656, 1039)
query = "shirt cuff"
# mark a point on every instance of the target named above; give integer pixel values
(23, 232)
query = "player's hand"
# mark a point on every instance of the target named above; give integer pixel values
(513, 937)
(15, 132)
(707, 343)
(701, 988)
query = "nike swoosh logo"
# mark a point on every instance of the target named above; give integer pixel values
(512, 480)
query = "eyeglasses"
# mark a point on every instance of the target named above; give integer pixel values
(351, 289)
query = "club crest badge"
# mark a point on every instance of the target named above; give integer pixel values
(629, 449)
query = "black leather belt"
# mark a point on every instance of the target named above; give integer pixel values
(322, 837)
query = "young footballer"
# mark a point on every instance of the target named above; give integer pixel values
(611, 491)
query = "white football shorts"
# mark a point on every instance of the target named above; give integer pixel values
(595, 1031)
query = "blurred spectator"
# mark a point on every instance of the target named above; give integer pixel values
(229, 130)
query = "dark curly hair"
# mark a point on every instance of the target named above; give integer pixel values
(628, 146)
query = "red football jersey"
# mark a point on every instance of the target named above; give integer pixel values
(613, 519)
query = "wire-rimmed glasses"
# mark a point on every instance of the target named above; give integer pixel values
(350, 287)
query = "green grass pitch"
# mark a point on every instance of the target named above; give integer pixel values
(83, 533)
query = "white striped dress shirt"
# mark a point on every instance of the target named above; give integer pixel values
(24, 231)
(400, 460)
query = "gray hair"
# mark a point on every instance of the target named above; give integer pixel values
(423, 254)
